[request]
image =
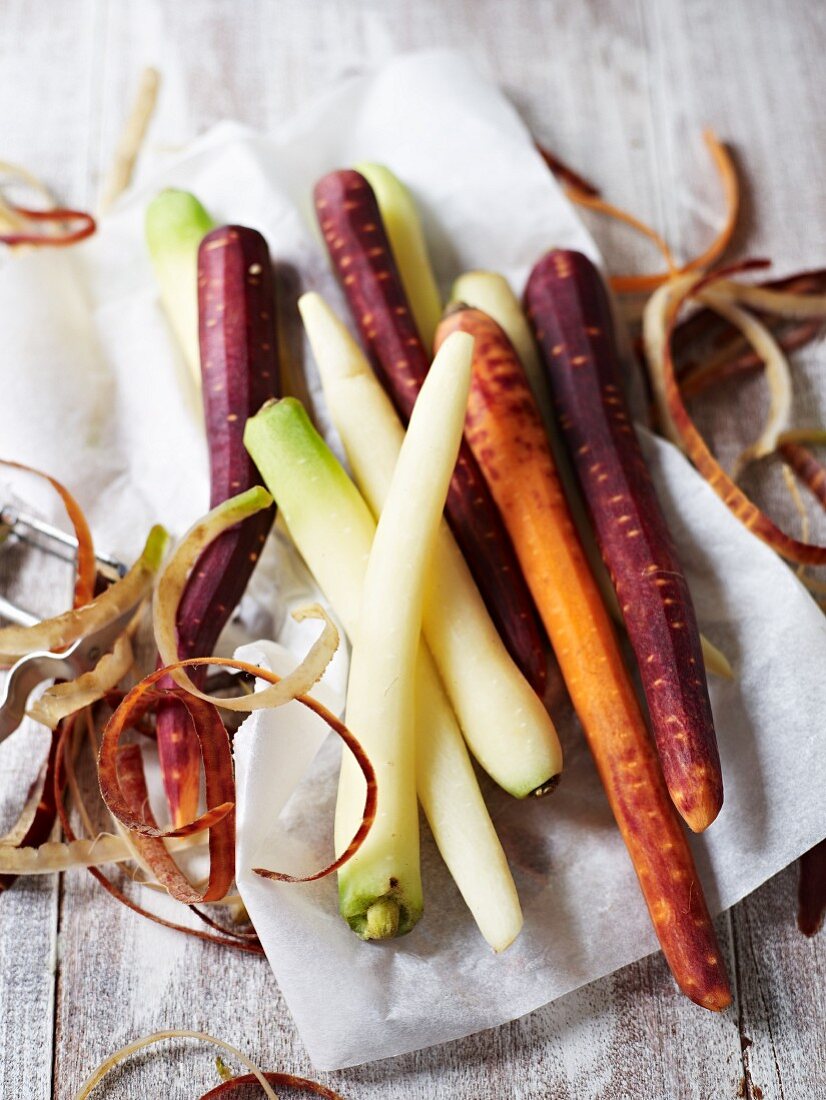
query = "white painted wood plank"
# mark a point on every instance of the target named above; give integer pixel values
(48, 55)
(753, 72)
(783, 995)
(29, 907)
(47, 124)
(28, 937)
(122, 977)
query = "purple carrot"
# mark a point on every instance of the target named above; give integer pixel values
(568, 307)
(812, 890)
(363, 260)
(239, 370)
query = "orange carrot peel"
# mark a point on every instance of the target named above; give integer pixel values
(57, 788)
(659, 323)
(806, 467)
(589, 198)
(133, 813)
(86, 568)
(85, 227)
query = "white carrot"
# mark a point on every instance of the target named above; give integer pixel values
(504, 722)
(333, 530)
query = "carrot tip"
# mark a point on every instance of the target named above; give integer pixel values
(715, 1000)
(547, 787)
(700, 815)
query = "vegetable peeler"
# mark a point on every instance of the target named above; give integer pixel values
(79, 657)
(19, 527)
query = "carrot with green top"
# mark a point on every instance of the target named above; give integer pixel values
(506, 433)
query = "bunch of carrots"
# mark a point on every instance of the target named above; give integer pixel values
(568, 310)
(497, 498)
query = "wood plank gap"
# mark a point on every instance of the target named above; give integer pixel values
(54, 963)
(744, 1040)
(764, 1000)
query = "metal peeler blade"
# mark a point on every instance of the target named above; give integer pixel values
(83, 654)
(34, 668)
(19, 526)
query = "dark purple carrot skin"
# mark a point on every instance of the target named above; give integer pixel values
(812, 890)
(239, 369)
(363, 261)
(568, 308)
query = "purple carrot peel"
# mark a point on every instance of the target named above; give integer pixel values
(570, 314)
(363, 261)
(239, 369)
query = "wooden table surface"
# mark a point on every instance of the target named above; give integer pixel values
(621, 89)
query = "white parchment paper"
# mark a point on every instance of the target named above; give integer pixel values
(95, 391)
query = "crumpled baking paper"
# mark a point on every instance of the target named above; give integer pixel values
(95, 391)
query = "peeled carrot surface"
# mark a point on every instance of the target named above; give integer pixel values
(505, 431)
(571, 317)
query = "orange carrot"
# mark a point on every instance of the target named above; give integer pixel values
(506, 434)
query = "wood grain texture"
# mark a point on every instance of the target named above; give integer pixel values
(28, 942)
(782, 994)
(622, 91)
(29, 909)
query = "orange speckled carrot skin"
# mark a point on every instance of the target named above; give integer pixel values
(363, 260)
(506, 432)
(239, 368)
(570, 314)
